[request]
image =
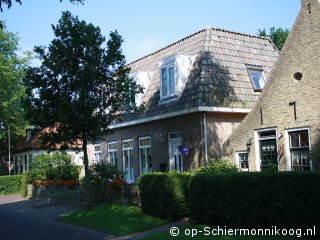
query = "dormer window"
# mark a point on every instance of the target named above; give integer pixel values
(257, 77)
(168, 81)
(174, 71)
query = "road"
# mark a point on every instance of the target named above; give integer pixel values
(19, 221)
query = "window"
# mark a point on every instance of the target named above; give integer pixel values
(96, 153)
(175, 156)
(257, 78)
(127, 147)
(267, 150)
(112, 153)
(145, 154)
(167, 81)
(299, 150)
(243, 161)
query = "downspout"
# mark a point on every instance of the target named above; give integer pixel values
(204, 122)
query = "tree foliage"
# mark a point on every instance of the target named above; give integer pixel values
(12, 69)
(8, 3)
(278, 36)
(81, 86)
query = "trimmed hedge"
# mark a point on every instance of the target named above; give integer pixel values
(10, 184)
(251, 200)
(164, 195)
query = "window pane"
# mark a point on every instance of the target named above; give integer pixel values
(97, 148)
(145, 142)
(304, 139)
(171, 80)
(270, 133)
(112, 146)
(294, 140)
(175, 135)
(257, 78)
(164, 81)
(127, 144)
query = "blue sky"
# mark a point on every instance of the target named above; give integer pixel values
(147, 25)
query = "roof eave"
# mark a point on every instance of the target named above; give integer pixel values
(181, 113)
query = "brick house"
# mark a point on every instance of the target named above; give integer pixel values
(197, 91)
(283, 127)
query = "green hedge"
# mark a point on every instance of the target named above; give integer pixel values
(164, 195)
(284, 199)
(10, 184)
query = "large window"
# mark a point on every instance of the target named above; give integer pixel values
(112, 153)
(97, 153)
(145, 154)
(127, 147)
(167, 81)
(257, 78)
(243, 161)
(299, 150)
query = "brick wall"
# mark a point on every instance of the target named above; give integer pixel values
(301, 53)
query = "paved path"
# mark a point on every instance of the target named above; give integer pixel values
(19, 221)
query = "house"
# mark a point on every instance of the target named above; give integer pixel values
(28, 148)
(197, 91)
(283, 128)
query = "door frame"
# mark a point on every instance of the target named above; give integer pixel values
(257, 140)
(178, 141)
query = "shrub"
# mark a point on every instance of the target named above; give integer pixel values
(24, 184)
(164, 195)
(252, 200)
(56, 166)
(217, 166)
(10, 184)
(102, 173)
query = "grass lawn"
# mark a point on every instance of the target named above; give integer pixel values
(201, 236)
(114, 219)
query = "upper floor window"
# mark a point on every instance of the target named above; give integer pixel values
(257, 78)
(167, 81)
(174, 71)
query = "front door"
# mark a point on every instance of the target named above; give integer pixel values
(175, 156)
(268, 152)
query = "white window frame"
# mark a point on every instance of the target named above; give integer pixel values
(168, 94)
(239, 163)
(257, 145)
(144, 148)
(112, 152)
(251, 69)
(99, 153)
(130, 175)
(171, 141)
(287, 144)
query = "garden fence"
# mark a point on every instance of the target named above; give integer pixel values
(53, 194)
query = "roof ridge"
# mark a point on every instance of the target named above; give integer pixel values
(196, 33)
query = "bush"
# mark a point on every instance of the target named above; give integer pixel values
(252, 200)
(165, 195)
(56, 166)
(10, 184)
(217, 166)
(24, 184)
(102, 173)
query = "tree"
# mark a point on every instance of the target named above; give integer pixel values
(80, 87)
(278, 36)
(9, 2)
(12, 69)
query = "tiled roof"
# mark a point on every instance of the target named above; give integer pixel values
(34, 143)
(218, 77)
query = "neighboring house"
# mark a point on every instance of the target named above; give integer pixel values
(27, 149)
(197, 91)
(284, 126)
